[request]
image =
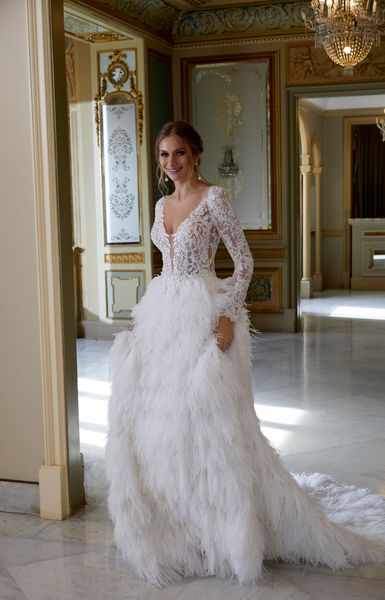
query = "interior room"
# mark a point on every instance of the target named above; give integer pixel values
(299, 144)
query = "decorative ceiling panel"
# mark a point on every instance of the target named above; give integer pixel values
(207, 4)
(247, 20)
(190, 19)
(155, 15)
(87, 31)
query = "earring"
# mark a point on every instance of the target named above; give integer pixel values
(166, 179)
(198, 174)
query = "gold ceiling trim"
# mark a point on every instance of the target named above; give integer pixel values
(210, 42)
(96, 38)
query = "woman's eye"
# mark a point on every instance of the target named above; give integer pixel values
(163, 154)
(180, 153)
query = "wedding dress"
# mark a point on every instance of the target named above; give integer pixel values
(195, 487)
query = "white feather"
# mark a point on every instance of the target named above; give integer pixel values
(195, 488)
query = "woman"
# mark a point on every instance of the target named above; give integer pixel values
(195, 488)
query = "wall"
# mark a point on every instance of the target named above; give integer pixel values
(83, 178)
(269, 255)
(136, 259)
(332, 201)
(38, 442)
(329, 130)
(21, 423)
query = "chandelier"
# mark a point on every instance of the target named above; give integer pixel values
(346, 29)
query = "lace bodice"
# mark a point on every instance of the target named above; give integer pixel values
(191, 249)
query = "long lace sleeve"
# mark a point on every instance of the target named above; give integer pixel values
(231, 232)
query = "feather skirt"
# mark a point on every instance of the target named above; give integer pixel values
(195, 487)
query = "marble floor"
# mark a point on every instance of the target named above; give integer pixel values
(320, 397)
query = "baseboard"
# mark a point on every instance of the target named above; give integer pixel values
(99, 330)
(16, 497)
(367, 283)
(284, 321)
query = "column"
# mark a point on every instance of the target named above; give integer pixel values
(317, 277)
(306, 281)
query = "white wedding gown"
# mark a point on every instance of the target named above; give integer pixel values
(195, 487)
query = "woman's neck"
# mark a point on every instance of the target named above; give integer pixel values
(185, 189)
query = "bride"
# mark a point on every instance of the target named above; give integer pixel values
(195, 487)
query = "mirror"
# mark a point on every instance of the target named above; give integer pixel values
(233, 105)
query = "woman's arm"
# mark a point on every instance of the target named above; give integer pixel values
(236, 286)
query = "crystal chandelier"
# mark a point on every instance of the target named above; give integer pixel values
(346, 29)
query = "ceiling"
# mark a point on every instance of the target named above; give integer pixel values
(205, 4)
(326, 104)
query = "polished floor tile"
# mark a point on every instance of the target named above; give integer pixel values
(320, 396)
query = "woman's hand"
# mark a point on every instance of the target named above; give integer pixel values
(130, 325)
(224, 333)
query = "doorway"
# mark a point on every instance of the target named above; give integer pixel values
(90, 42)
(321, 122)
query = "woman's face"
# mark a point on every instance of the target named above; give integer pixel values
(175, 158)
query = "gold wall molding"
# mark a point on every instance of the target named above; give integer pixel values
(125, 274)
(265, 290)
(307, 65)
(262, 277)
(273, 253)
(272, 57)
(332, 233)
(71, 71)
(124, 258)
(105, 37)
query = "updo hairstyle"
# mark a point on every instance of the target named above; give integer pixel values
(190, 137)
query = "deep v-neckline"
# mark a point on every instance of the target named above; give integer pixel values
(202, 201)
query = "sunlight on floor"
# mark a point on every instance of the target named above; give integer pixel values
(358, 312)
(93, 404)
(272, 417)
(94, 386)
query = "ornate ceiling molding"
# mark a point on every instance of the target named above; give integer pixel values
(249, 20)
(82, 29)
(158, 16)
(153, 14)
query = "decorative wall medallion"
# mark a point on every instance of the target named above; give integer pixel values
(118, 73)
(265, 290)
(260, 289)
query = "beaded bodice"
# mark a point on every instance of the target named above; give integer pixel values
(191, 249)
